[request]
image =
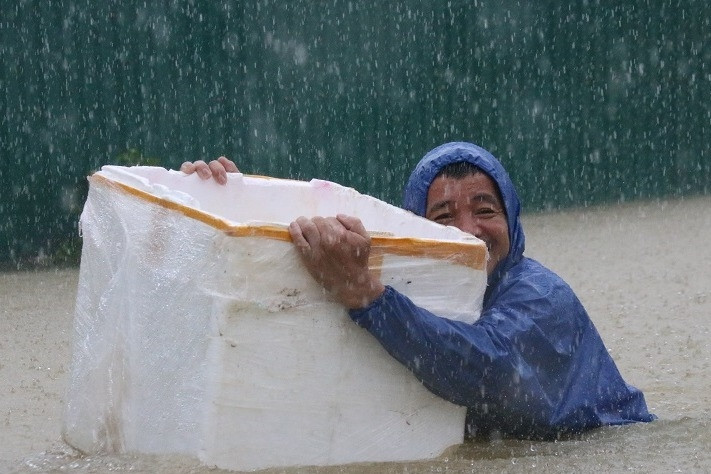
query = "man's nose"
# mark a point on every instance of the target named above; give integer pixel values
(469, 224)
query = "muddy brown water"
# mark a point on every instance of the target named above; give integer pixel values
(643, 270)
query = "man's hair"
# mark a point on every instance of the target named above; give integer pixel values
(459, 170)
(462, 169)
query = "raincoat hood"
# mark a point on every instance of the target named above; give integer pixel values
(415, 194)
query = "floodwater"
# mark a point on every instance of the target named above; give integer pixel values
(641, 269)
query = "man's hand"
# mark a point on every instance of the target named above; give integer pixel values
(335, 251)
(216, 169)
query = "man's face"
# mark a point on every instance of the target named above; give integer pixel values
(471, 204)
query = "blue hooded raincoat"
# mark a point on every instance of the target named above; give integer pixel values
(533, 365)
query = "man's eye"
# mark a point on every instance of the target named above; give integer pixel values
(486, 212)
(443, 218)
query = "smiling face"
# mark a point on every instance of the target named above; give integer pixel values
(472, 204)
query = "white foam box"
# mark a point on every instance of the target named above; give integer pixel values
(199, 332)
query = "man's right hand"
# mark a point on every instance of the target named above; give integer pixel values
(216, 169)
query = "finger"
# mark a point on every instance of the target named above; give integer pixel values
(353, 224)
(311, 230)
(228, 164)
(297, 236)
(187, 167)
(218, 171)
(202, 169)
(330, 231)
(306, 237)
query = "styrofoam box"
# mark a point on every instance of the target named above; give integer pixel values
(199, 332)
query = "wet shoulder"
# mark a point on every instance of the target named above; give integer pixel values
(532, 287)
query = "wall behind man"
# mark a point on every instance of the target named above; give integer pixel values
(584, 103)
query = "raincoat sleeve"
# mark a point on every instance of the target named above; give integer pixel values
(533, 364)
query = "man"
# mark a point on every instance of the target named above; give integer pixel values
(533, 365)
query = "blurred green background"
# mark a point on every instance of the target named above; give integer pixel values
(587, 103)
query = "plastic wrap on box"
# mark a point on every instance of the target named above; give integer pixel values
(199, 332)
